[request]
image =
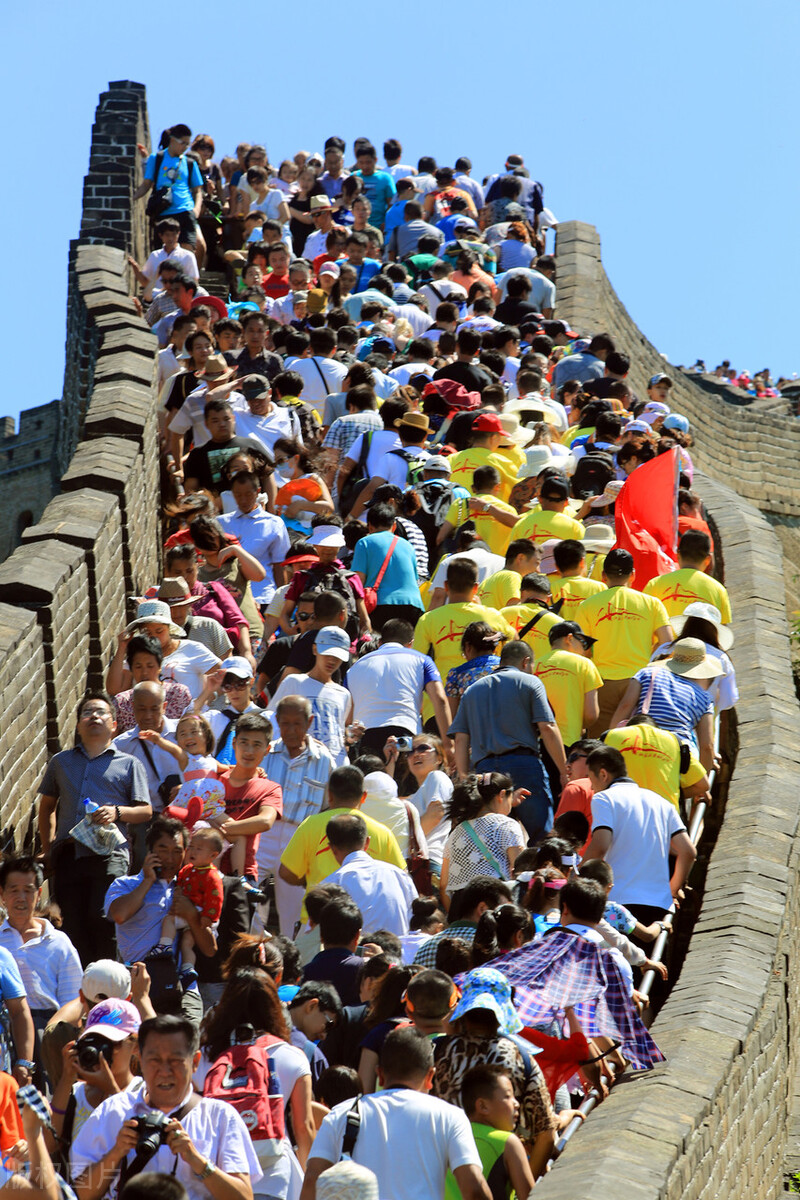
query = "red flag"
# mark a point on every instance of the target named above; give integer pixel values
(646, 517)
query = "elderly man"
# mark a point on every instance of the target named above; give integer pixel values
(301, 766)
(511, 741)
(257, 417)
(147, 700)
(93, 768)
(205, 1145)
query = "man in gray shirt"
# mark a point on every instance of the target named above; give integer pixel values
(92, 770)
(405, 237)
(498, 726)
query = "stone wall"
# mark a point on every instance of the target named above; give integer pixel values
(65, 592)
(719, 1117)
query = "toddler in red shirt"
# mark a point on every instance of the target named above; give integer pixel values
(201, 882)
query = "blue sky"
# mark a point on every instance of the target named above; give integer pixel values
(672, 128)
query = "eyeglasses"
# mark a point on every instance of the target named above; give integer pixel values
(330, 1020)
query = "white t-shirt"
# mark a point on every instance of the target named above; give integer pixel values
(215, 1128)
(394, 467)
(279, 423)
(437, 786)
(486, 562)
(168, 366)
(188, 664)
(403, 374)
(388, 686)
(393, 1123)
(642, 824)
(312, 371)
(270, 206)
(184, 258)
(285, 1178)
(382, 441)
(330, 704)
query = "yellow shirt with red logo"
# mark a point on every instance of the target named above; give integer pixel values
(496, 535)
(681, 588)
(624, 622)
(540, 525)
(464, 465)
(574, 589)
(567, 678)
(500, 589)
(439, 631)
(652, 759)
(518, 616)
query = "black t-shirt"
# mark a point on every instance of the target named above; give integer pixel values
(302, 658)
(473, 378)
(205, 463)
(514, 312)
(266, 363)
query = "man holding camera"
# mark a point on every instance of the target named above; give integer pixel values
(204, 1143)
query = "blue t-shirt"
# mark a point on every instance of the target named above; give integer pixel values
(400, 581)
(379, 189)
(181, 174)
(140, 932)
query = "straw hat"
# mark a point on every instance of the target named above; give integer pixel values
(690, 660)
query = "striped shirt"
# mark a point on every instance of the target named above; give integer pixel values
(344, 430)
(303, 780)
(676, 704)
(426, 955)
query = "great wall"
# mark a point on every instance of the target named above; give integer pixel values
(80, 492)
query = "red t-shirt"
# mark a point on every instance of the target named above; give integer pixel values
(685, 523)
(203, 886)
(276, 285)
(577, 797)
(246, 801)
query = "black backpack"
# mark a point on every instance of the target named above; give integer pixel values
(334, 579)
(593, 472)
(435, 497)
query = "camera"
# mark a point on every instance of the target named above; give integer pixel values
(405, 744)
(90, 1047)
(151, 1134)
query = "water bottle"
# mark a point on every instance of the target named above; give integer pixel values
(103, 833)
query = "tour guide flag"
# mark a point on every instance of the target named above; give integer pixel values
(646, 517)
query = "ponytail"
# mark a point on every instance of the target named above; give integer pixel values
(474, 793)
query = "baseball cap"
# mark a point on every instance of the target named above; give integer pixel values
(115, 1019)
(254, 387)
(555, 489)
(676, 421)
(334, 641)
(329, 268)
(238, 666)
(104, 979)
(660, 378)
(487, 423)
(637, 427)
(554, 328)
(325, 535)
(652, 411)
(564, 628)
(437, 462)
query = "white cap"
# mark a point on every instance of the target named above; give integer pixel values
(380, 786)
(238, 666)
(106, 979)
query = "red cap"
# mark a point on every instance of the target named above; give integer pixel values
(488, 422)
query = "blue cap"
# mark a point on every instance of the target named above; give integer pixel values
(334, 641)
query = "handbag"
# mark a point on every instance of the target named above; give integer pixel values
(371, 593)
(419, 865)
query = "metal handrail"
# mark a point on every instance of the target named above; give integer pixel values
(594, 1096)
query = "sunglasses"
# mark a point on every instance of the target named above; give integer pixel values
(232, 682)
(575, 758)
(423, 748)
(307, 616)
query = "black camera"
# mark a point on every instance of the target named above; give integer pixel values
(152, 1134)
(90, 1047)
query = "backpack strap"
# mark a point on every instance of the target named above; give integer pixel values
(223, 737)
(480, 844)
(351, 1129)
(525, 1054)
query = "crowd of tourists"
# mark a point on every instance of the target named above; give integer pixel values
(357, 860)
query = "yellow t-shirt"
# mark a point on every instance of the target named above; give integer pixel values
(464, 464)
(680, 588)
(595, 561)
(309, 856)
(496, 535)
(540, 526)
(439, 631)
(500, 589)
(567, 678)
(519, 615)
(652, 758)
(574, 431)
(574, 589)
(624, 622)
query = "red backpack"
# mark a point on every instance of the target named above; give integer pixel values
(246, 1078)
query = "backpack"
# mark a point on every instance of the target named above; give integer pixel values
(593, 472)
(245, 1077)
(415, 464)
(333, 579)
(435, 497)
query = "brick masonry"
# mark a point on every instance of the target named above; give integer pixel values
(719, 1118)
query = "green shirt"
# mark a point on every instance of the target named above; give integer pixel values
(491, 1144)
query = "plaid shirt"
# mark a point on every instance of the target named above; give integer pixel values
(563, 969)
(344, 430)
(426, 955)
(303, 780)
